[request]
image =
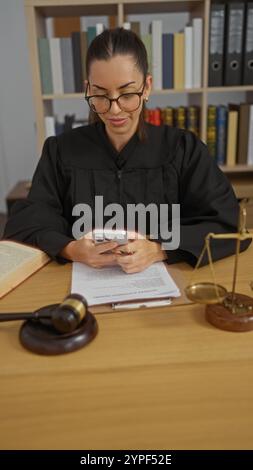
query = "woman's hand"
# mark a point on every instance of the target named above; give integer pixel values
(138, 255)
(85, 251)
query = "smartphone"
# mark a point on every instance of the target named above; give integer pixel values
(107, 235)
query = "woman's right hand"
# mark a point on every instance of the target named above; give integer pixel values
(85, 251)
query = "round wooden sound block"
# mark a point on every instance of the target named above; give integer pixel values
(42, 338)
(221, 316)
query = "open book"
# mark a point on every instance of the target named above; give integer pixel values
(17, 263)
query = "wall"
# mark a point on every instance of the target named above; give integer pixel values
(17, 132)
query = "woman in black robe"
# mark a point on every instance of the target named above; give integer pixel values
(127, 161)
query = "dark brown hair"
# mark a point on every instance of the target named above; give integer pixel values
(119, 41)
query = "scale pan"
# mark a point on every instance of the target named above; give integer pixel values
(206, 293)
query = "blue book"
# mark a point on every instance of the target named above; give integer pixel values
(59, 128)
(167, 60)
(221, 129)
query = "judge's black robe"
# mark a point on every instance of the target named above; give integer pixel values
(171, 167)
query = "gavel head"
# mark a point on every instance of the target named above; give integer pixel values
(58, 328)
(70, 313)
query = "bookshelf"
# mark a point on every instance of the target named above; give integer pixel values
(38, 10)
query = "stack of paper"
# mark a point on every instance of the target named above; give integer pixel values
(110, 285)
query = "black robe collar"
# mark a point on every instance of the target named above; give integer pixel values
(122, 157)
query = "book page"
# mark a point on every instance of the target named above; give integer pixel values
(112, 284)
(13, 255)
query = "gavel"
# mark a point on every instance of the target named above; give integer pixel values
(65, 317)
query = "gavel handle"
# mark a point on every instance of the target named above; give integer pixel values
(23, 316)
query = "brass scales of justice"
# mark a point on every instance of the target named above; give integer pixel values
(226, 310)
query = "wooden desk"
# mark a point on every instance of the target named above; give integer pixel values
(152, 379)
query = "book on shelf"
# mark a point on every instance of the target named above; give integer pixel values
(54, 127)
(167, 60)
(250, 140)
(248, 46)
(182, 117)
(50, 128)
(45, 66)
(221, 124)
(56, 65)
(67, 68)
(156, 30)
(231, 44)
(18, 262)
(229, 133)
(212, 130)
(232, 134)
(234, 44)
(135, 27)
(179, 64)
(216, 44)
(197, 25)
(77, 62)
(174, 59)
(84, 47)
(147, 41)
(243, 135)
(188, 51)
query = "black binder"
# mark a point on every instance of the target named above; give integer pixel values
(248, 47)
(216, 45)
(234, 44)
(76, 48)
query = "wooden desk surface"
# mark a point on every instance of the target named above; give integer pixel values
(152, 379)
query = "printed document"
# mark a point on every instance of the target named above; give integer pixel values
(112, 284)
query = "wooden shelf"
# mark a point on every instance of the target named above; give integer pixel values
(59, 3)
(65, 8)
(174, 91)
(243, 187)
(227, 89)
(237, 169)
(131, 7)
(154, 92)
(38, 10)
(65, 96)
(171, 91)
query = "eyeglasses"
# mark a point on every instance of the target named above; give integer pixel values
(128, 102)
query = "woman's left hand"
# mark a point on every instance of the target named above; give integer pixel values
(138, 255)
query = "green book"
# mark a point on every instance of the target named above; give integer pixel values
(147, 41)
(45, 66)
(91, 34)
